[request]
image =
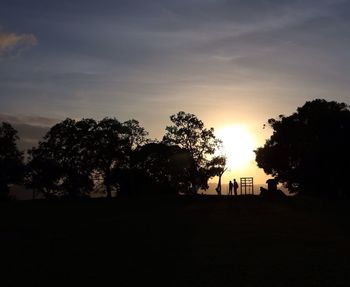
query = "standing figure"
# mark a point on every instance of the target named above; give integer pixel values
(230, 186)
(235, 186)
(272, 184)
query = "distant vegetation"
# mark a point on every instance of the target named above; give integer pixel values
(76, 157)
(308, 152)
(11, 160)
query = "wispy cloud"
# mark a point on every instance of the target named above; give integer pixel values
(130, 58)
(12, 44)
(30, 120)
(30, 129)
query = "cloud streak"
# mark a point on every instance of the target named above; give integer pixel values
(129, 58)
(12, 44)
(30, 129)
(30, 120)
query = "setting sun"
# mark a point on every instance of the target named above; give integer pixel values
(238, 145)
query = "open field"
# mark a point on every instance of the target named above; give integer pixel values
(180, 241)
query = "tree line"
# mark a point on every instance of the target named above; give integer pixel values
(308, 152)
(76, 157)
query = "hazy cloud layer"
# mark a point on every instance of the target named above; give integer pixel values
(148, 59)
(12, 44)
(30, 129)
(30, 120)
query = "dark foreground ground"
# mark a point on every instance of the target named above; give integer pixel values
(205, 241)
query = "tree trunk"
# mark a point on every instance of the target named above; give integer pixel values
(218, 188)
(108, 185)
(108, 191)
(4, 191)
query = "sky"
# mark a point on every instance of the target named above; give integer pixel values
(230, 62)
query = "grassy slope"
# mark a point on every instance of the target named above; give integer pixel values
(204, 241)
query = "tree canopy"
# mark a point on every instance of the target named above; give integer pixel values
(188, 132)
(167, 167)
(62, 164)
(11, 159)
(309, 150)
(114, 145)
(76, 157)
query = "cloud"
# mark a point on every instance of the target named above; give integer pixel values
(127, 58)
(30, 120)
(30, 129)
(12, 44)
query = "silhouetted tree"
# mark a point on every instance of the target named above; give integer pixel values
(43, 173)
(136, 134)
(113, 143)
(189, 133)
(74, 155)
(11, 159)
(166, 167)
(309, 150)
(217, 167)
(62, 164)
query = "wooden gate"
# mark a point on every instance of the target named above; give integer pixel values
(247, 185)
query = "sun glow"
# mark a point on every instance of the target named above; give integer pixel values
(238, 146)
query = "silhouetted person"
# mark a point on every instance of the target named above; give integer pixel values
(235, 186)
(230, 187)
(271, 190)
(272, 184)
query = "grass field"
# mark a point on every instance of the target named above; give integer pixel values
(180, 241)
